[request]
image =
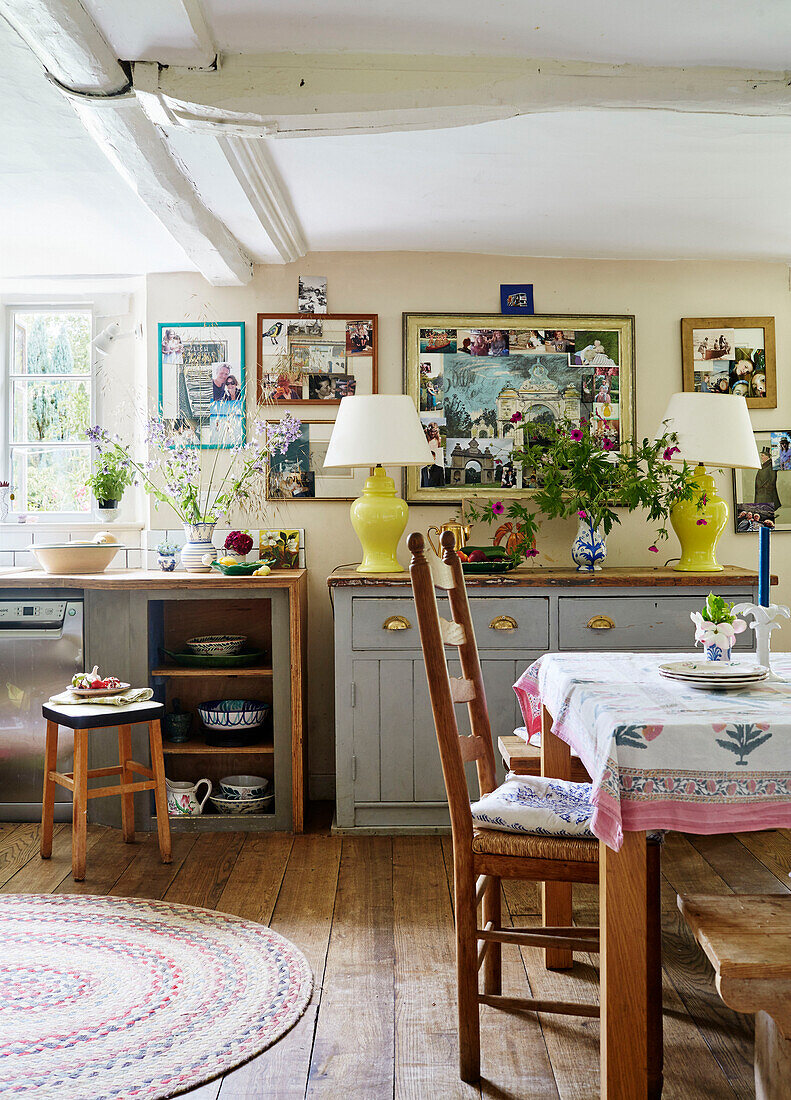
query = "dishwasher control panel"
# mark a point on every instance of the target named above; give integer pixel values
(30, 613)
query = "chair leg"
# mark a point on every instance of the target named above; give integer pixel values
(556, 908)
(48, 798)
(160, 794)
(127, 800)
(654, 971)
(467, 977)
(79, 827)
(493, 962)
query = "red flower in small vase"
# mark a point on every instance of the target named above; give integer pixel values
(239, 542)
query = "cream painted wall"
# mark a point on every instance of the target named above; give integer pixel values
(657, 293)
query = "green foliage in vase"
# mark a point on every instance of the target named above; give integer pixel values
(111, 478)
(717, 610)
(568, 470)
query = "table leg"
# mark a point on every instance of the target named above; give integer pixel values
(556, 900)
(624, 998)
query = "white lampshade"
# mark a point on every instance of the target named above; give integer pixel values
(712, 428)
(380, 429)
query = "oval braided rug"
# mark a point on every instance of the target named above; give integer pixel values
(127, 998)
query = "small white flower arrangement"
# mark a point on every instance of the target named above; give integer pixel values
(716, 628)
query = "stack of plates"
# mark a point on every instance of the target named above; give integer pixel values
(713, 674)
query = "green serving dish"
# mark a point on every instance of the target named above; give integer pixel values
(499, 565)
(245, 569)
(202, 660)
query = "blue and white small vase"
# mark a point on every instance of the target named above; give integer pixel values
(198, 547)
(166, 562)
(718, 651)
(588, 549)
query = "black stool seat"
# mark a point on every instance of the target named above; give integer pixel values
(77, 716)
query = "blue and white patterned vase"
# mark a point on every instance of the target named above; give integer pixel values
(716, 651)
(198, 547)
(588, 549)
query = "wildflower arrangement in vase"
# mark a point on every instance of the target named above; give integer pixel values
(716, 628)
(174, 475)
(571, 470)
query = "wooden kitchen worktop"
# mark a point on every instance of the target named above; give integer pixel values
(536, 577)
(145, 579)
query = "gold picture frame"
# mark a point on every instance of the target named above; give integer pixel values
(730, 355)
(490, 366)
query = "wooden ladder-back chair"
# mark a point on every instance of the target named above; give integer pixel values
(481, 858)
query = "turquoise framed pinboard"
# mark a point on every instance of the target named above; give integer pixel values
(202, 392)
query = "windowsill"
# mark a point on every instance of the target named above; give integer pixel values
(68, 524)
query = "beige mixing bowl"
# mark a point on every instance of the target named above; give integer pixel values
(75, 557)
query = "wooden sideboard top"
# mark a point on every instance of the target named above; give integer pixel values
(147, 579)
(733, 576)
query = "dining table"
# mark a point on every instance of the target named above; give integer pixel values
(662, 754)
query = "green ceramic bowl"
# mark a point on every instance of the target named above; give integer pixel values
(244, 569)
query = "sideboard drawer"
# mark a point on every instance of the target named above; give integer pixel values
(634, 623)
(386, 624)
(499, 622)
(502, 623)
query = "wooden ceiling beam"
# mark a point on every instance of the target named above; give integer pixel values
(293, 95)
(79, 61)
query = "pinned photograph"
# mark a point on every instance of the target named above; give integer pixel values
(312, 294)
(482, 342)
(714, 379)
(309, 329)
(557, 341)
(431, 388)
(484, 461)
(226, 423)
(605, 385)
(282, 387)
(345, 385)
(359, 337)
(433, 476)
(596, 349)
(437, 339)
(320, 388)
(318, 357)
(711, 343)
(525, 340)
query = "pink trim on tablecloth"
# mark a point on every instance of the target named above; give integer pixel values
(526, 688)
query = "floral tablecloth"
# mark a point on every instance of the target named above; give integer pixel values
(662, 755)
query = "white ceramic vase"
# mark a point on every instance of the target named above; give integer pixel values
(588, 550)
(198, 547)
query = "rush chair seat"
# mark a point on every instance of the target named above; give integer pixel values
(482, 857)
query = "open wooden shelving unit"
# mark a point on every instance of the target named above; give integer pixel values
(176, 621)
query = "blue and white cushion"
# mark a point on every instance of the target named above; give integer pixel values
(538, 805)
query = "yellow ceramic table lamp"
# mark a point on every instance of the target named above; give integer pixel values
(713, 430)
(378, 430)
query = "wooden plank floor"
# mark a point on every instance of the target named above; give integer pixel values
(374, 918)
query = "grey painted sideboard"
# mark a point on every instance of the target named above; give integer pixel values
(388, 773)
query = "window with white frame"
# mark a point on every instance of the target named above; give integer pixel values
(50, 401)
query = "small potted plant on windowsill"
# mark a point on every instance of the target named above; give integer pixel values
(109, 482)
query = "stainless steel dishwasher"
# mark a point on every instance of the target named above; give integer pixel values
(41, 648)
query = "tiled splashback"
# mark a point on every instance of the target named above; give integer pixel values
(14, 541)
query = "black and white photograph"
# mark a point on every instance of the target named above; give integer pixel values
(312, 294)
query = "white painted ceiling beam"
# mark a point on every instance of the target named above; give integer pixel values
(75, 54)
(294, 95)
(258, 177)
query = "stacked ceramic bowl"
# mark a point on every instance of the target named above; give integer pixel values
(217, 645)
(243, 794)
(234, 723)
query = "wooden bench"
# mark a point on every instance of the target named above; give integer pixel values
(524, 759)
(747, 939)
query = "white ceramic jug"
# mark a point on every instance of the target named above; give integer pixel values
(183, 798)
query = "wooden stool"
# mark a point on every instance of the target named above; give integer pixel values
(747, 939)
(83, 719)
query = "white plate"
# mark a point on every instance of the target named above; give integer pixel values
(713, 685)
(714, 679)
(97, 693)
(709, 670)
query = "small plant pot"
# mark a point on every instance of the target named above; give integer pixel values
(108, 509)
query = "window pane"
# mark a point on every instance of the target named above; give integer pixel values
(51, 479)
(52, 343)
(50, 411)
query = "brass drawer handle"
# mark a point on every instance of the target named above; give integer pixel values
(396, 622)
(600, 622)
(503, 622)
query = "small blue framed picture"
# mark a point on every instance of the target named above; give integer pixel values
(202, 382)
(516, 298)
